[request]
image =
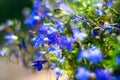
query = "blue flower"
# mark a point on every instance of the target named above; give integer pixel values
(58, 71)
(66, 43)
(63, 6)
(79, 35)
(39, 55)
(2, 52)
(82, 74)
(60, 27)
(53, 66)
(82, 54)
(56, 51)
(38, 64)
(103, 74)
(11, 36)
(100, 12)
(1, 27)
(110, 3)
(95, 55)
(118, 60)
(39, 41)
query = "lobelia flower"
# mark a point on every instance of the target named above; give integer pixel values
(9, 22)
(95, 55)
(39, 13)
(63, 6)
(103, 74)
(56, 51)
(1, 27)
(11, 36)
(53, 66)
(100, 12)
(38, 64)
(82, 74)
(2, 52)
(39, 41)
(58, 71)
(60, 27)
(79, 35)
(82, 54)
(118, 60)
(110, 3)
(66, 43)
(39, 55)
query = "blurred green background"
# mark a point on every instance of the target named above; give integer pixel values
(10, 9)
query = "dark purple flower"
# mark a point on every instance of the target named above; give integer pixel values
(38, 64)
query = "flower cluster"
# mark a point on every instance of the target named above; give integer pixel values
(79, 38)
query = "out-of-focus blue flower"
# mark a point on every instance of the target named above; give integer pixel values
(100, 12)
(79, 35)
(118, 27)
(103, 74)
(63, 6)
(2, 52)
(10, 41)
(95, 55)
(117, 78)
(99, 5)
(82, 54)
(108, 30)
(58, 71)
(11, 36)
(9, 22)
(38, 64)
(61, 60)
(53, 66)
(110, 3)
(39, 55)
(66, 43)
(1, 27)
(39, 41)
(82, 74)
(118, 60)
